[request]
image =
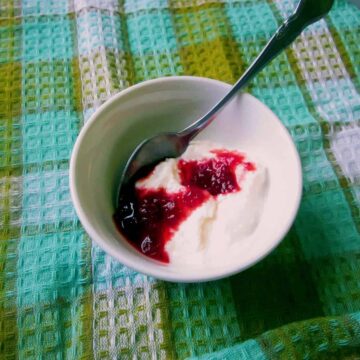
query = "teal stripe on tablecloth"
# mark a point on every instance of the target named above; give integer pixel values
(248, 350)
(49, 136)
(151, 33)
(47, 38)
(50, 267)
(287, 102)
(250, 22)
(40, 7)
(131, 6)
(319, 230)
(345, 16)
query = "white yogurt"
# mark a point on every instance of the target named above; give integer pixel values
(212, 229)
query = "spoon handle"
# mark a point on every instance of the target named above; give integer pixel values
(284, 36)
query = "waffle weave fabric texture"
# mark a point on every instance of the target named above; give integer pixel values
(61, 296)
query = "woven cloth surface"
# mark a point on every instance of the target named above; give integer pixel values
(61, 296)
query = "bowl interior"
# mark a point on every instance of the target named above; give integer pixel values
(171, 104)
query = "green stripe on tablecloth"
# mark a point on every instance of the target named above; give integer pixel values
(10, 120)
(206, 45)
(152, 66)
(10, 47)
(10, 181)
(50, 86)
(10, 89)
(76, 87)
(59, 329)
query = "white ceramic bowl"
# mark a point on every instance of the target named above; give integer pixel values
(170, 104)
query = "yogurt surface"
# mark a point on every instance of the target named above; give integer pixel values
(194, 209)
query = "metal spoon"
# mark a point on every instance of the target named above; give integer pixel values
(170, 145)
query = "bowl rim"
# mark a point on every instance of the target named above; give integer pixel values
(158, 270)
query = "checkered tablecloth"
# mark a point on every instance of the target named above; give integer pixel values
(61, 297)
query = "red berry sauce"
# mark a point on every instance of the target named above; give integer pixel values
(149, 217)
